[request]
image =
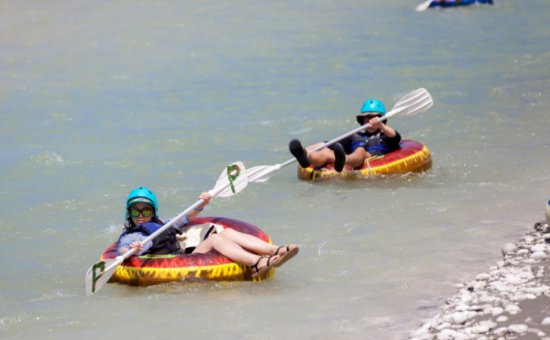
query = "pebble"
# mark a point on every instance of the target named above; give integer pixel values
(518, 328)
(512, 309)
(538, 248)
(497, 311)
(523, 252)
(502, 318)
(496, 295)
(509, 248)
(460, 317)
(482, 277)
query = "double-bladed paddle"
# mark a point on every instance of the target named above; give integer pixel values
(424, 5)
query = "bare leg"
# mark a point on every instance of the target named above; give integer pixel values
(227, 248)
(249, 242)
(321, 157)
(357, 157)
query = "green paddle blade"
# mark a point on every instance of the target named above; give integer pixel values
(232, 180)
(97, 276)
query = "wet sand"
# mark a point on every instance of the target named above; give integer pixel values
(509, 301)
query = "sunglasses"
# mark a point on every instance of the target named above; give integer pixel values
(145, 212)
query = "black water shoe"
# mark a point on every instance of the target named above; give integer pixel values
(298, 151)
(340, 157)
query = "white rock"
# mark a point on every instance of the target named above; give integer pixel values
(502, 318)
(537, 248)
(459, 318)
(509, 248)
(529, 239)
(462, 308)
(488, 323)
(443, 326)
(496, 311)
(518, 328)
(546, 321)
(522, 297)
(513, 309)
(479, 329)
(448, 334)
(501, 331)
(523, 252)
(538, 255)
(482, 277)
(537, 290)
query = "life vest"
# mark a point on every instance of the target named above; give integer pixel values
(165, 243)
(374, 144)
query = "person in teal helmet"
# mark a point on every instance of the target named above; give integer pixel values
(142, 220)
(377, 139)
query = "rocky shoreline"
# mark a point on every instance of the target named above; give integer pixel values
(510, 301)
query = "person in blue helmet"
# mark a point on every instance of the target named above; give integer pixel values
(142, 220)
(377, 139)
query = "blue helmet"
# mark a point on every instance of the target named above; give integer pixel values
(144, 195)
(371, 107)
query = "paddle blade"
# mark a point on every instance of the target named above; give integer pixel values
(415, 102)
(424, 6)
(97, 275)
(261, 173)
(232, 180)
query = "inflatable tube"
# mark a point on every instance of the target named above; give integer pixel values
(411, 157)
(453, 3)
(155, 269)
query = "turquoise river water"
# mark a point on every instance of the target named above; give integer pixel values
(97, 97)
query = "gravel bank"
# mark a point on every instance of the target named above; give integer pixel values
(510, 301)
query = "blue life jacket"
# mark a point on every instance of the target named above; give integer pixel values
(165, 243)
(376, 144)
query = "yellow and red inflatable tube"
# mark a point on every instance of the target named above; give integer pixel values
(156, 269)
(410, 157)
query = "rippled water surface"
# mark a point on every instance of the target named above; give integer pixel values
(99, 97)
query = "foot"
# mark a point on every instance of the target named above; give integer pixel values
(298, 151)
(340, 157)
(263, 264)
(285, 253)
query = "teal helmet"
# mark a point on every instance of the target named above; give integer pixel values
(371, 107)
(144, 195)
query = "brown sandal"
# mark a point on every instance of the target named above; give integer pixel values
(256, 271)
(291, 251)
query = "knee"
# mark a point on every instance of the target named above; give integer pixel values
(323, 156)
(213, 239)
(360, 154)
(227, 232)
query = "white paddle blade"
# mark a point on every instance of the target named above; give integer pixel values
(97, 276)
(415, 102)
(424, 6)
(261, 173)
(232, 180)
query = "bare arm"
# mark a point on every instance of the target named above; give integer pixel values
(204, 196)
(378, 125)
